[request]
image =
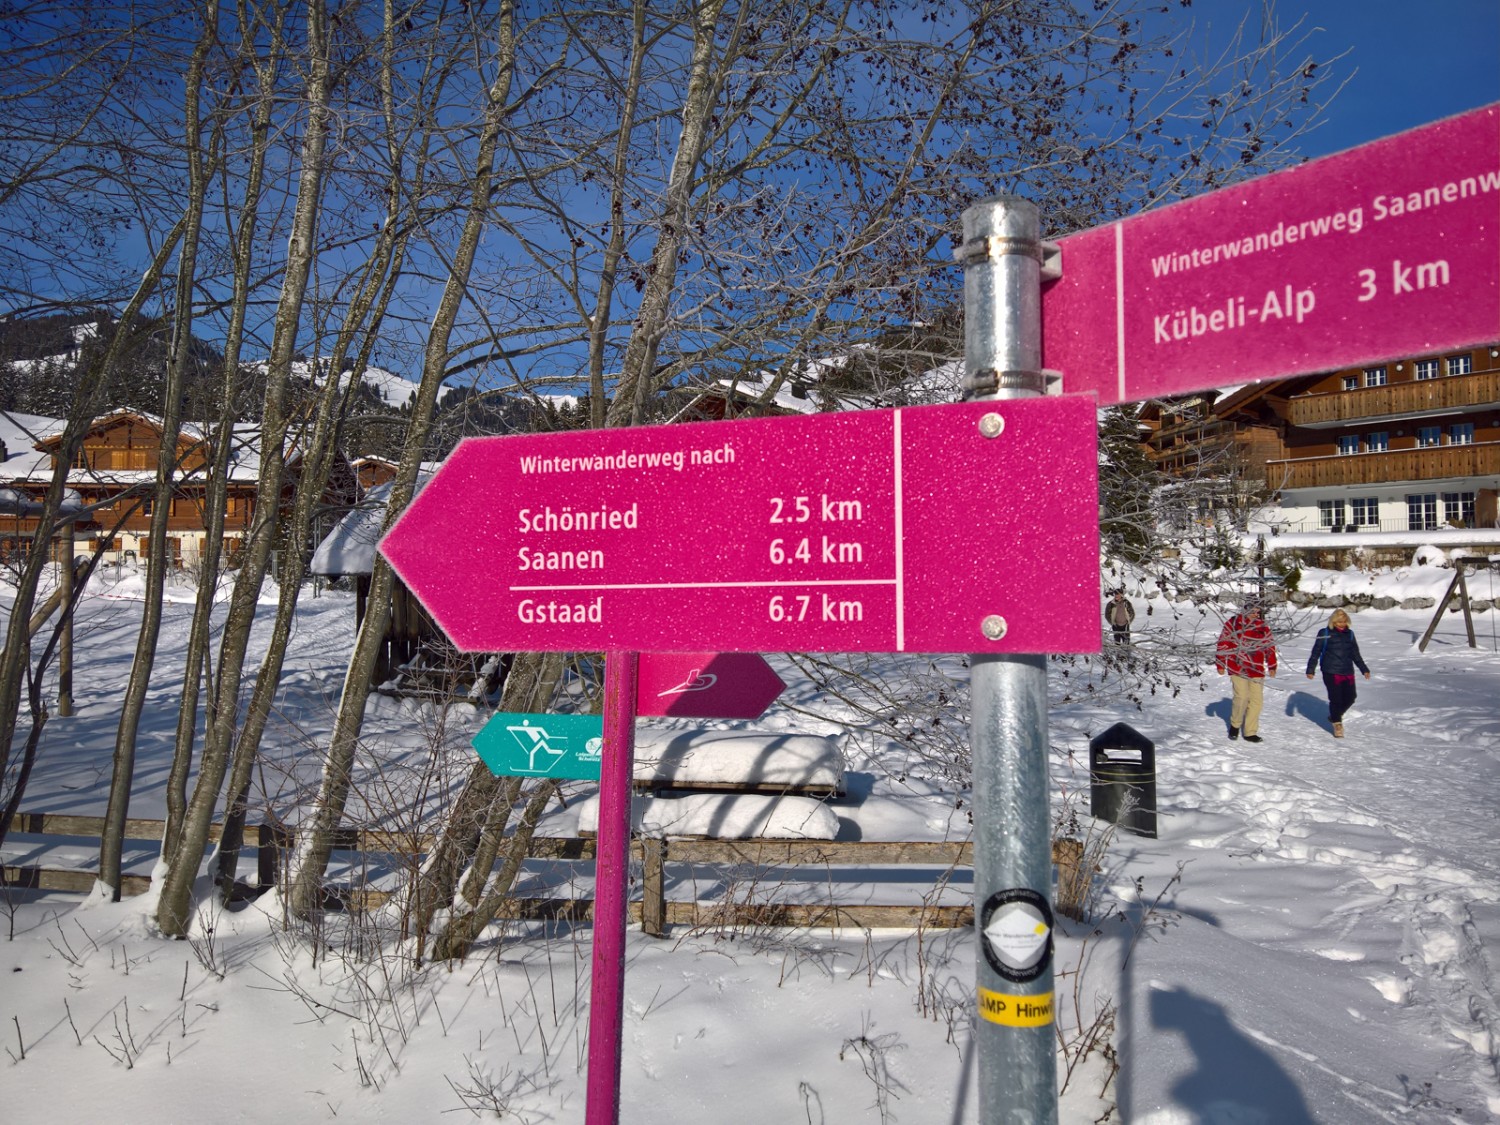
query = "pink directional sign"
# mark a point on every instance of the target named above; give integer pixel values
(962, 528)
(1388, 250)
(706, 685)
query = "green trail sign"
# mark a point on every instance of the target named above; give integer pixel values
(542, 745)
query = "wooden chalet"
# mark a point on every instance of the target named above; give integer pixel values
(1412, 445)
(112, 478)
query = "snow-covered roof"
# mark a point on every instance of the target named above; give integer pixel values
(23, 432)
(187, 431)
(1452, 536)
(798, 394)
(350, 547)
(20, 433)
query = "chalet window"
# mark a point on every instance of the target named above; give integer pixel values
(1378, 442)
(1428, 436)
(1365, 511)
(1351, 382)
(1331, 513)
(1426, 368)
(1461, 433)
(127, 459)
(1458, 508)
(1421, 511)
(1349, 443)
(1374, 376)
(1460, 364)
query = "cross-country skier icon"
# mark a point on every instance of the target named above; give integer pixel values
(535, 741)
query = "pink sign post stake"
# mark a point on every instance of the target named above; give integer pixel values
(611, 883)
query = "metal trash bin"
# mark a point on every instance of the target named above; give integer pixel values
(1122, 779)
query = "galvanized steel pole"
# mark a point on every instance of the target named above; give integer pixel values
(1002, 254)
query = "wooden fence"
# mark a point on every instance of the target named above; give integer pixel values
(654, 910)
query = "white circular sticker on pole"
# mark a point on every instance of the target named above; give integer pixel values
(1017, 929)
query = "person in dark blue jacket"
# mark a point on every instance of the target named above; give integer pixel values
(1338, 652)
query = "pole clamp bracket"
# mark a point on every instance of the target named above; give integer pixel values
(988, 381)
(1047, 254)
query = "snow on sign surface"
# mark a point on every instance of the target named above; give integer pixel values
(1388, 250)
(962, 528)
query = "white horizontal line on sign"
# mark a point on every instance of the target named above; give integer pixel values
(709, 585)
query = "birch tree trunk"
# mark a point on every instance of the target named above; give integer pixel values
(15, 659)
(320, 451)
(639, 366)
(471, 835)
(197, 660)
(174, 907)
(315, 834)
(406, 166)
(112, 837)
(609, 267)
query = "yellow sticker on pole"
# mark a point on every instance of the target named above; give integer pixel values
(1015, 1011)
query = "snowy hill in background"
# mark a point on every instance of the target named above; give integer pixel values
(394, 390)
(397, 391)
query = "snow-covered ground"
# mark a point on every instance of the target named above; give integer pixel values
(1313, 937)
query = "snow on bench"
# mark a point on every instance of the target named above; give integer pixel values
(731, 785)
(722, 816)
(739, 761)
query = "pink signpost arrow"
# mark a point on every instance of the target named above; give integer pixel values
(1386, 251)
(967, 527)
(706, 685)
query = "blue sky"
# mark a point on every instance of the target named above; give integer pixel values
(1413, 61)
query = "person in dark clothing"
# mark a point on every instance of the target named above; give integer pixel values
(1119, 613)
(1338, 652)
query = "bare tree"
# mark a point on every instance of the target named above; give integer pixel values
(173, 911)
(315, 836)
(637, 197)
(808, 221)
(197, 156)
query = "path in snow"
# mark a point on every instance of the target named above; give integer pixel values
(1389, 880)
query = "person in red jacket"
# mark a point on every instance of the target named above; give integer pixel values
(1247, 652)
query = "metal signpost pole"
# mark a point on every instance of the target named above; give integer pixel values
(611, 886)
(1002, 253)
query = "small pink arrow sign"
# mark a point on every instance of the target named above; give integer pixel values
(706, 685)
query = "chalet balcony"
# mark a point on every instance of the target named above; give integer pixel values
(1397, 400)
(1358, 469)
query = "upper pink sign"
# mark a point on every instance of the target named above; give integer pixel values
(1386, 251)
(962, 528)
